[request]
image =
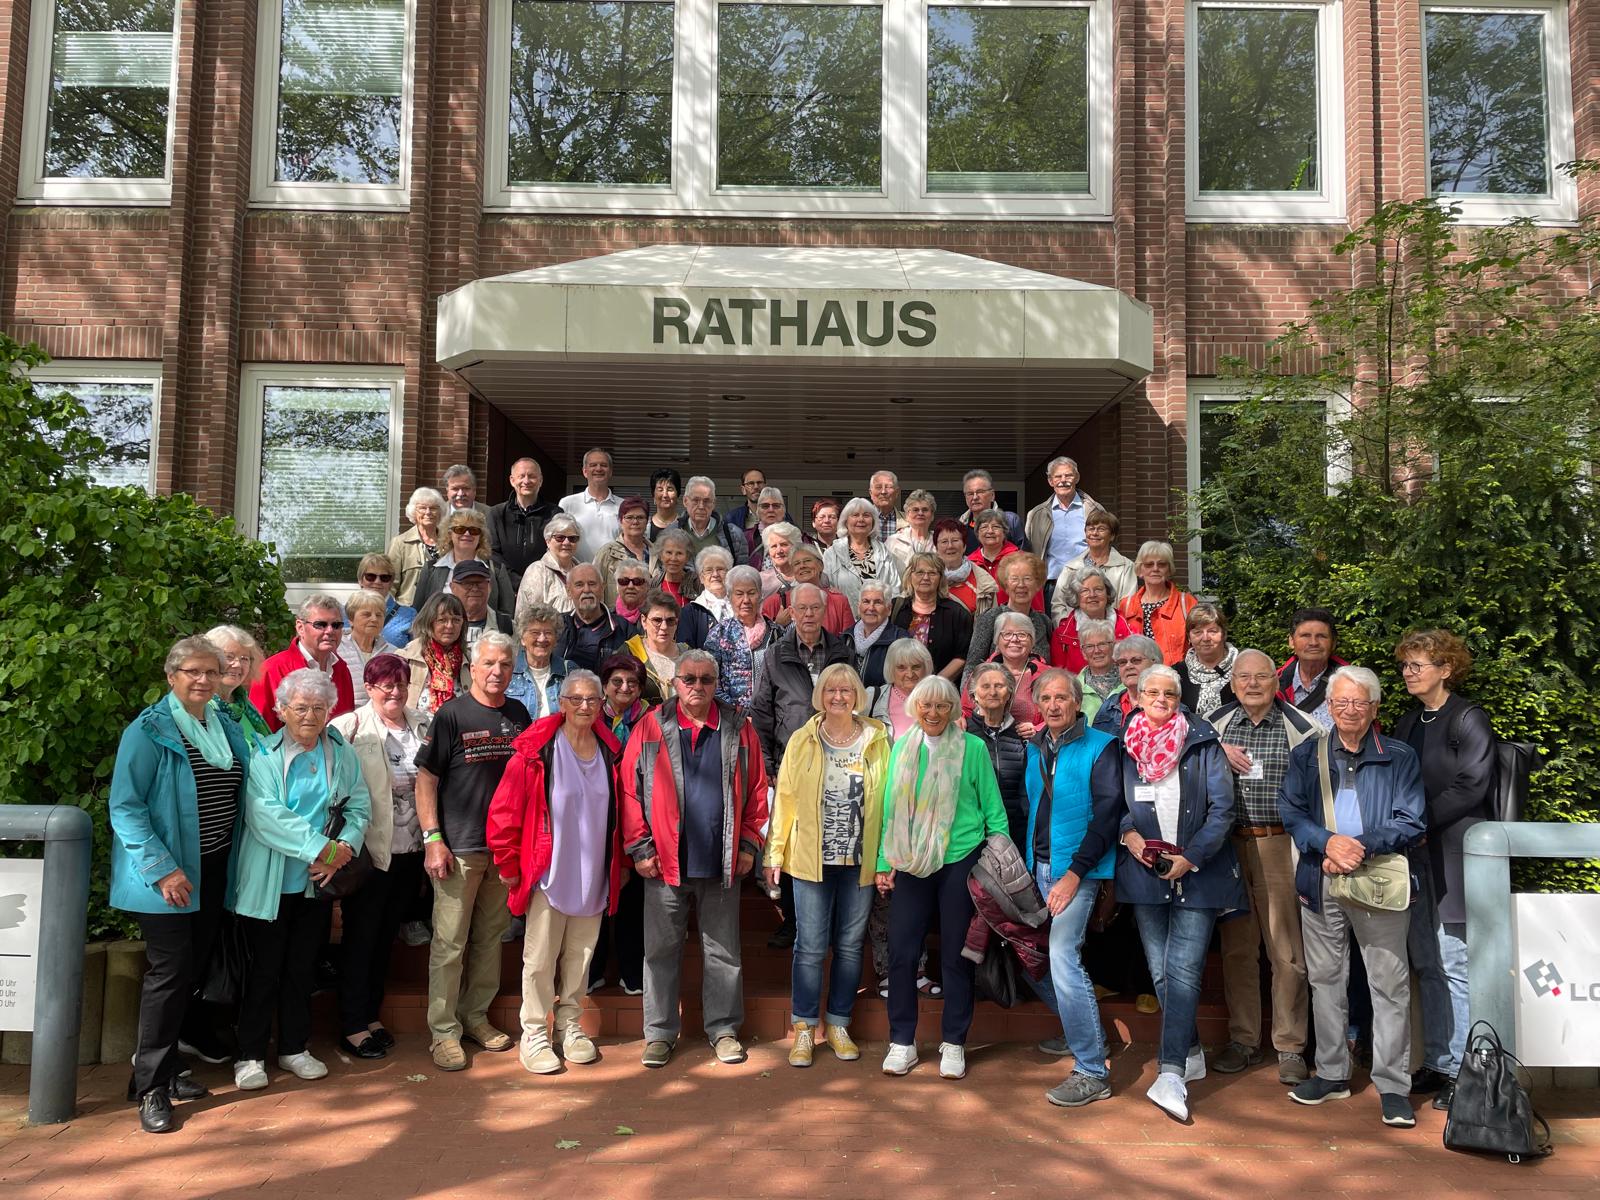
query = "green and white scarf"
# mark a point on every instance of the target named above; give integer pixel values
(208, 738)
(917, 830)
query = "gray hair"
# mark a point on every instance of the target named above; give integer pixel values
(1080, 577)
(581, 676)
(805, 547)
(921, 496)
(493, 640)
(598, 450)
(360, 599)
(769, 493)
(676, 536)
(902, 649)
(1091, 626)
(1050, 467)
(698, 656)
(1160, 671)
(859, 505)
(933, 688)
(1361, 676)
(1055, 673)
(536, 614)
(223, 636)
(784, 530)
(710, 555)
(990, 668)
(744, 573)
(307, 681)
(562, 523)
(979, 473)
(1160, 551)
(1239, 658)
(700, 481)
(794, 593)
(1021, 620)
(893, 478)
(580, 566)
(1146, 647)
(459, 471)
(991, 516)
(318, 602)
(424, 495)
(197, 646)
(874, 585)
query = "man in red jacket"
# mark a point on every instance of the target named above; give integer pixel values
(693, 844)
(318, 626)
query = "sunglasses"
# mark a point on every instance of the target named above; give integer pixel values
(373, 577)
(621, 582)
(324, 624)
(563, 537)
(697, 680)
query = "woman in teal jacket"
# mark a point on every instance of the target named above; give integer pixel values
(176, 794)
(940, 801)
(303, 770)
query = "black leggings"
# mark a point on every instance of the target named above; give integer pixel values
(912, 906)
(370, 920)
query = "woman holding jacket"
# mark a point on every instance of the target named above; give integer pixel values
(176, 795)
(826, 817)
(1179, 872)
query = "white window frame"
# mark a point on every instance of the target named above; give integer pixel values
(693, 189)
(61, 371)
(255, 378)
(33, 186)
(1560, 206)
(1327, 204)
(266, 191)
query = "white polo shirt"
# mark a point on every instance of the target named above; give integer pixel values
(597, 520)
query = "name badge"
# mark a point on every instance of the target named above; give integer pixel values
(1144, 794)
(1256, 771)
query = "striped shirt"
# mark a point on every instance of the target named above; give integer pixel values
(218, 795)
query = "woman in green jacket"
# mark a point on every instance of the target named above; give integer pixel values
(303, 770)
(940, 802)
(826, 815)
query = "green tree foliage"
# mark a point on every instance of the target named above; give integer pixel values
(96, 584)
(1463, 491)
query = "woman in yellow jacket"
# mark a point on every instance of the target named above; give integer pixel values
(826, 817)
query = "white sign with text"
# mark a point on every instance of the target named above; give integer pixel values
(21, 903)
(1558, 980)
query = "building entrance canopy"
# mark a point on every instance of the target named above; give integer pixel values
(709, 355)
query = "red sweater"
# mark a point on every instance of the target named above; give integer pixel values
(264, 692)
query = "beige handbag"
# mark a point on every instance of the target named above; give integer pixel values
(1383, 881)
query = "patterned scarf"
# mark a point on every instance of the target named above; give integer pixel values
(1210, 680)
(1155, 751)
(253, 724)
(444, 671)
(956, 576)
(916, 832)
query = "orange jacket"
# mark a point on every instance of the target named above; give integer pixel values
(1170, 624)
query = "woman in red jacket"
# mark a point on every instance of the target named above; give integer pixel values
(1159, 609)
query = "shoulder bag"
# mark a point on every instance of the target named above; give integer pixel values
(1383, 881)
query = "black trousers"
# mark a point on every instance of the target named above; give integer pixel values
(623, 934)
(912, 906)
(370, 920)
(177, 947)
(283, 958)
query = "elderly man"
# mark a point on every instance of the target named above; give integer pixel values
(978, 488)
(805, 566)
(595, 508)
(469, 583)
(1354, 801)
(591, 633)
(516, 525)
(1130, 656)
(458, 768)
(704, 527)
(460, 487)
(1258, 732)
(883, 489)
(1303, 680)
(318, 627)
(1055, 528)
(694, 806)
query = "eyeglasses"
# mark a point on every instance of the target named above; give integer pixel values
(1161, 695)
(197, 673)
(581, 701)
(1416, 667)
(235, 660)
(1130, 662)
(324, 625)
(1349, 705)
(562, 537)
(631, 582)
(306, 712)
(1262, 678)
(375, 577)
(1016, 636)
(661, 620)
(697, 680)
(388, 685)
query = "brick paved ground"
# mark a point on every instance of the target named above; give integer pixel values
(401, 1128)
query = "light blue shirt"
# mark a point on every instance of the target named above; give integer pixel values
(305, 794)
(1066, 535)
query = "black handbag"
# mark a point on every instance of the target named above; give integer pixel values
(1490, 1111)
(998, 978)
(350, 878)
(222, 981)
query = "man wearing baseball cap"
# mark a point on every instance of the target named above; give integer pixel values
(469, 583)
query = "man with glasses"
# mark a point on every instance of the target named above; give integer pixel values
(745, 516)
(978, 488)
(883, 489)
(704, 527)
(516, 524)
(1258, 731)
(1131, 656)
(318, 628)
(1055, 528)
(592, 633)
(694, 807)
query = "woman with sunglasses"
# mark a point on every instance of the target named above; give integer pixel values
(467, 533)
(545, 582)
(376, 573)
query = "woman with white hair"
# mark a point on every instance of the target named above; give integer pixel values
(418, 546)
(779, 541)
(873, 633)
(545, 582)
(304, 772)
(1159, 608)
(1179, 873)
(915, 536)
(740, 643)
(241, 664)
(711, 603)
(671, 570)
(1020, 659)
(905, 664)
(858, 554)
(940, 802)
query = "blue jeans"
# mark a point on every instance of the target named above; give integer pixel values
(831, 914)
(1438, 953)
(1075, 1002)
(1044, 989)
(1176, 937)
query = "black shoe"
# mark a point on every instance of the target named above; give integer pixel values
(155, 1112)
(383, 1037)
(185, 1088)
(1442, 1098)
(783, 939)
(1428, 1080)
(1397, 1111)
(1318, 1090)
(369, 1048)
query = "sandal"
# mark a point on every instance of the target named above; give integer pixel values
(928, 987)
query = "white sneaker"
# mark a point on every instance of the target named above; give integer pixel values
(1170, 1095)
(900, 1059)
(952, 1060)
(1195, 1067)
(303, 1065)
(249, 1074)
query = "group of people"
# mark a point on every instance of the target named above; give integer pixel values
(578, 724)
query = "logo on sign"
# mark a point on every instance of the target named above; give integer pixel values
(1544, 977)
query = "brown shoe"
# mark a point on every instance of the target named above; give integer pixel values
(448, 1055)
(490, 1038)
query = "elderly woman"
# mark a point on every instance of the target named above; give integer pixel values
(940, 802)
(872, 635)
(805, 566)
(915, 535)
(1354, 804)
(1179, 873)
(658, 647)
(929, 615)
(824, 523)
(711, 603)
(632, 579)
(859, 555)
(772, 555)
(1021, 577)
(622, 679)
(385, 736)
(545, 582)
(1455, 747)
(364, 612)
(436, 656)
(1158, 608)
(554, 832)
(672, 572)
(1090, 602)
(537, 675)
(742, 641)
(994, 542)
(467, 532)
(1131, 656)
(1099, 678)
(1016, 656)
(418, 546)
(969, 584)
(376, 573)
(825, 823)
(176, 795)
(905, 664)
(666, 486)
(989, 717)
(303, 773)
(770, 510)
(1206, 672)
(1099, 531)
(241, 664)
(632, 544)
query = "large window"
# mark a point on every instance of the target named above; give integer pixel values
(1266, 140)
(99, 101)
(988, 108)
(1499, 108)
(333, 103)
(317, 466)
(121, 398)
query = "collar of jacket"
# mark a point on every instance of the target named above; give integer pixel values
(832, 646)
(1372, 748)
(1288, 712)
(533, 741)
(158, 724)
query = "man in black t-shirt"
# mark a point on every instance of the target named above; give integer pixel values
(458, 769)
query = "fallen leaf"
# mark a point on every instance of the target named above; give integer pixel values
(624, 1131)
(567, 1144)
(416, 1078)
(766, 1075)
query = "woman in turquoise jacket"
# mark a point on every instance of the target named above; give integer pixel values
(303, 770)
(176, 796)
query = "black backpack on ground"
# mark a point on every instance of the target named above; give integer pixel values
(1490, 1111)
